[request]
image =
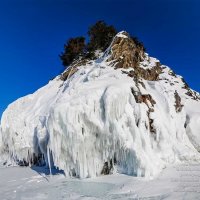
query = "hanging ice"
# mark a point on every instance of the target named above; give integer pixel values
(99, 119)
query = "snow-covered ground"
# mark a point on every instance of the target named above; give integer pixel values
(174, 183)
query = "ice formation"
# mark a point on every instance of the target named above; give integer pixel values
(102, 115)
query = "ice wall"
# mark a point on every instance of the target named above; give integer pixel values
(92, 118)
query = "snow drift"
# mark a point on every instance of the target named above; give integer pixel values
(106, 116)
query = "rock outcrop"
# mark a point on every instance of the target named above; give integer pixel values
(125, 52)
(123, 112)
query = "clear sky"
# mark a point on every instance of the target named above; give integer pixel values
(33, 32)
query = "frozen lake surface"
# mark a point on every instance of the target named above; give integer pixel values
(24, 183)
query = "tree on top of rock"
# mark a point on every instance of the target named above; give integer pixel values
(74, 48)
(138, 43)
(100, 35)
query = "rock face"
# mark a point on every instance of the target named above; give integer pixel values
(125, 52)
(68, 73)
(123, 112)
(178, 104)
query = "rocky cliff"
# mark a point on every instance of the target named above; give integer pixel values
(124, 112)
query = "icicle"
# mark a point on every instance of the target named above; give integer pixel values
(49, 161)
(96, 118)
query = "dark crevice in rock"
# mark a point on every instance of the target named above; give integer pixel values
(34, 160)
(108, 167)
(178, 105)
(172, 73)
(151, 126)
(150, 102)
(143, 98)
(194, 95)
(148, 74)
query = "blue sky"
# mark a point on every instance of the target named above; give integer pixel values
(33, 32)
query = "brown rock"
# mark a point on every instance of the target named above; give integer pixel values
(148, 74)
(143, 98)
(68, 73)
(178, 104)
(125, 53)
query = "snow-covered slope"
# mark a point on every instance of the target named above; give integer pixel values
(106, 117)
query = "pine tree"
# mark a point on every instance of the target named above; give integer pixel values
(100, 35)
(74, 48)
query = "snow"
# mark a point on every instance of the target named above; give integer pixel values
(149, 62)
(93, 118)
(121, 34)
(175, 182)
(193, 123)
